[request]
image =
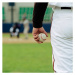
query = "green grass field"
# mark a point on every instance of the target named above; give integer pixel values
(27, 57)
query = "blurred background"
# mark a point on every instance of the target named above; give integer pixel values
(20, 52)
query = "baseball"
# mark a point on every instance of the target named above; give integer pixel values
(42, 37)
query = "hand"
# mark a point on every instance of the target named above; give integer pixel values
(36, 32)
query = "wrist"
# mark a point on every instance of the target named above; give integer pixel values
(37, 27)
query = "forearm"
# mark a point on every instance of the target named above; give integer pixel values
(38, 14)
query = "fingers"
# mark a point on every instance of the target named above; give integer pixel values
(46, 34)
(42, 30)
(36, 38)
(39, 42)
(35, 35)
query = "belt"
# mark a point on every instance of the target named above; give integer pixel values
(65, 7)
(62, 8)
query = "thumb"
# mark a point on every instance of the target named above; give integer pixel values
(46, 34)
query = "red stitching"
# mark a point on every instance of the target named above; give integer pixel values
(42, 38)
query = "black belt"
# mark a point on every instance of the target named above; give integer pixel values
(65, 7)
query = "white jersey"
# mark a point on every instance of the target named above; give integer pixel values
(62, 38)
(26, 24)
(26, 27)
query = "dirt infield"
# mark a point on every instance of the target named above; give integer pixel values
(20, 40)
(6, 39)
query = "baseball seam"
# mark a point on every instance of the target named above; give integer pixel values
(42, 38)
